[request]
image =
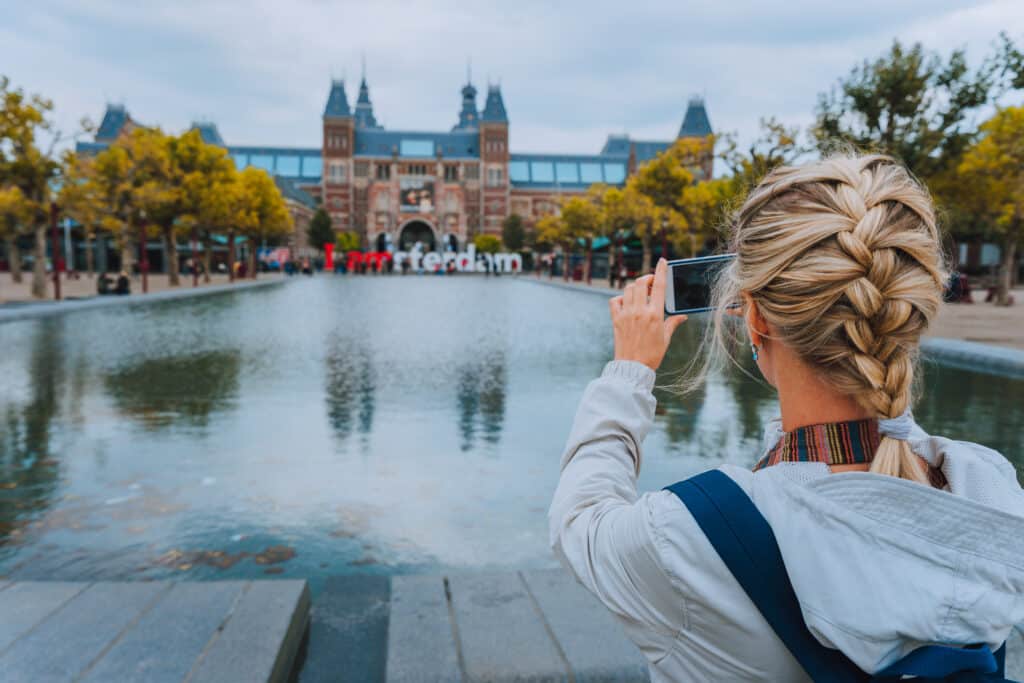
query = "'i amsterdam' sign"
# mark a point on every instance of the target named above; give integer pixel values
(465, 261)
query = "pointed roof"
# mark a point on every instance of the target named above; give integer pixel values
(114, 119)
(364, 108)
(208, 132)
(494, 107)
(337, 101)
(469, 116)
(695, 123)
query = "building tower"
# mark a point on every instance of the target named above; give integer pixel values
(494, 157)
(364, 108)
(697, 125)
(469, 119)
(338, 144)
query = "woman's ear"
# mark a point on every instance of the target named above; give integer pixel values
(757, 326)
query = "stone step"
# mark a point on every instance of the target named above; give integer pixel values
(152, 631)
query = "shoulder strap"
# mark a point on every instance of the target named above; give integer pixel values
(744, 540)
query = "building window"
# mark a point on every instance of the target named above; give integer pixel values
(362, 169)
(336, 202)
(336, 172)
(416, 169)
(472, 172)
(451, 173)
(383, 171)
(494, 177)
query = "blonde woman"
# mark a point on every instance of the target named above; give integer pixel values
(894, 545)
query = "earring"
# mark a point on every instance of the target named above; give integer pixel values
(753, 349)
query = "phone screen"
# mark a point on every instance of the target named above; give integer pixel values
(690, 283)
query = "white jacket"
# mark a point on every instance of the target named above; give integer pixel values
(880, 565)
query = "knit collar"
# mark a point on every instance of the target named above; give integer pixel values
(834, 443)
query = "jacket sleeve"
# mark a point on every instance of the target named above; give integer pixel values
(600, 529)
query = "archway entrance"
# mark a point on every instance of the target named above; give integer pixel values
(417, 231)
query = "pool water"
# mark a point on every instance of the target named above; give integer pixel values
(345, 424)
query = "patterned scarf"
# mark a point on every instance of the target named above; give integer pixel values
(835, 443)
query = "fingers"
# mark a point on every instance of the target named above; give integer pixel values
(673, 322)
(658, 285)
(615, 306)
(629, 294)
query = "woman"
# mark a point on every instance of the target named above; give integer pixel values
(892, 538)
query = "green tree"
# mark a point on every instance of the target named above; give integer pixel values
(513, 234)
(992, 176)
(347, 241)
(909, 103)
(26, 165)
(487, 244)
(320, 231)
(776, 145)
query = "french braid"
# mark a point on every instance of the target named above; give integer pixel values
(842, 257)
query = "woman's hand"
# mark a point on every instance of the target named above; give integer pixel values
(642, 333)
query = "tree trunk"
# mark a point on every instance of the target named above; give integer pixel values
(171, 252)
(90, 265)
(39, 263)
(566, 262)
(587, 262)
(231, 257)
(645, 267)
(1006, 271)
(207, 258)
(252, 258)
(14, 259)
(613, 263)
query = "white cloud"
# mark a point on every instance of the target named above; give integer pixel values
(571, 72)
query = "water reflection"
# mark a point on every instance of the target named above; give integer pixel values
(186, 390)
(481, 399)
(187, 440)
(29, 466)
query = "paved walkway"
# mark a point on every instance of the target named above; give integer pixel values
(152, 631)
(37, 308)
(84, 287)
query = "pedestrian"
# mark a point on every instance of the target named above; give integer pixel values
(859, 544)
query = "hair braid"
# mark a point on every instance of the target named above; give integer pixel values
(842, 257)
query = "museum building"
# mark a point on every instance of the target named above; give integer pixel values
(396, 188)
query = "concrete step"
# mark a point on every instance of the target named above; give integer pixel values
(152, 631)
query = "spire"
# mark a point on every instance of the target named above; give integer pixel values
(468, 117)
(494, 107)
(695, 123)
(337, 101)
(364, 108)
(208, 132)
(114, 119)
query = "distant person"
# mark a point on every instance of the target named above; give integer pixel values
(104, 284)
(623, 275)
(858, 544)
(124, 285)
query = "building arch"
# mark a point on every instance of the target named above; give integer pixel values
(417, 230)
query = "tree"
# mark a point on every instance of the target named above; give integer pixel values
(908, 103)
(80, 198)
(581, 220)
(487, 244)
(262, 213)
(347, 241)
(513, 234)
(15, 212)
(992, 174)
(320, 231)
(549, 232)
(777, 145)
(213, 198)
(24, 164)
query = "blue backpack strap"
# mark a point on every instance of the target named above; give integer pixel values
(744, 540)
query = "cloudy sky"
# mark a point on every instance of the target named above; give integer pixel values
(571, 72)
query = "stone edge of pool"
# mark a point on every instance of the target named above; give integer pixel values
(42, 309)
(956, 352)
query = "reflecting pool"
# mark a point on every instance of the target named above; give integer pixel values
(333, 425)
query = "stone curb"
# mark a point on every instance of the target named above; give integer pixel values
(12, 312)
(956, 352)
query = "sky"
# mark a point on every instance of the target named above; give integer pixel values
(570, 72)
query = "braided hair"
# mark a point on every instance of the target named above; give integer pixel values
(843, 260)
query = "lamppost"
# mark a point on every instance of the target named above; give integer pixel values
(143, 256)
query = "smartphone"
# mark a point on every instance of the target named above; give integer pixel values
(689, 283)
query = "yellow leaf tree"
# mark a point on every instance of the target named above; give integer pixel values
(261, 212)
(992, 177)
(15, 214)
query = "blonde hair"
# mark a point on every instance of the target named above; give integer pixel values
(843, 259)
